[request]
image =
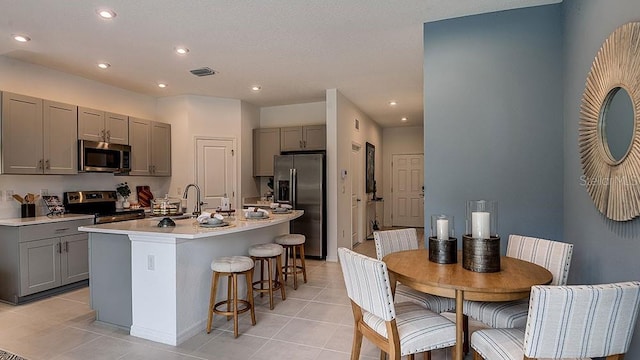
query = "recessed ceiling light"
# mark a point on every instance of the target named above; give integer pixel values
(404, 119)
(106, 13)
(393, 103)
(104, 65)
(181, 50)
(162, 85)
(256, 88)
(21, 38)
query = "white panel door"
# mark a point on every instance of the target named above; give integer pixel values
(215, 171)
(407, 190)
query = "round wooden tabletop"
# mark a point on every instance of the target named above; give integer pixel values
(513, 281)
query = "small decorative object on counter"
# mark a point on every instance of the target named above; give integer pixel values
(123, 190)
(481, 243)
(443, 245)
(166, 206)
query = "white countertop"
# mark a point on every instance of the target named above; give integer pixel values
(188, 228)
(43, 219)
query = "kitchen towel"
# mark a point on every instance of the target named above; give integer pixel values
(144, 195)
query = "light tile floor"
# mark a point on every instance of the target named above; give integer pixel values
(314, 322)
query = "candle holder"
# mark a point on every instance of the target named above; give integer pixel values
(443, 245)
(481, 243)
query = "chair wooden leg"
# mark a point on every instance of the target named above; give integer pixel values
(294, 268)
(261, 260)
(304, 266)
(235, 305)
(286, 262)
(427, 355)
(271, 283)
(249, 277)
(212, 299)
(357, 343)
(229, 288)
(383, 355)
(280, 277)
(412, 357)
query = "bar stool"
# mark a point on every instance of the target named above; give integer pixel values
(231, 267)
(265, 253)
(292, 243)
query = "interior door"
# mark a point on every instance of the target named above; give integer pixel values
(407, 190)
(356, 194)
(215, 171)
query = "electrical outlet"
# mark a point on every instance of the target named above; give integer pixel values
(180, 191)
(151, 262)
(9, 195)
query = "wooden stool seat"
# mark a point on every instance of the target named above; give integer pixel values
(231, 267)
(293, 243)
(265, 253)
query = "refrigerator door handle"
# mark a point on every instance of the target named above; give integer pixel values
(294, 187)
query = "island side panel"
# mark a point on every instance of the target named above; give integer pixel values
(110, 278)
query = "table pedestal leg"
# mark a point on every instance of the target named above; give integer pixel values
(459, 352)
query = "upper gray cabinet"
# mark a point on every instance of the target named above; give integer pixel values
(150, 147)
(98, 125)
(300, 138)
(38, 136)
(266, 145)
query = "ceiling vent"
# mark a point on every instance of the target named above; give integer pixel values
(203, 71)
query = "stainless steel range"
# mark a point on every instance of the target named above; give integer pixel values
(100, 203)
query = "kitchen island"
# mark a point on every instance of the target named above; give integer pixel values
(155, 281)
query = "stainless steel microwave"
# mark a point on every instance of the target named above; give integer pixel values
(94, 156)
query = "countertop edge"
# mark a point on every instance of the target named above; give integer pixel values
(185, 229)
(43, 219)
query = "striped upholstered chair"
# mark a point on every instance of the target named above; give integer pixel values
(389, 241)
(554, 256)
(567, 322)
(397, 329)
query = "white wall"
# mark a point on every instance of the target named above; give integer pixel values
(341, 134)
(32, 80)
(194, 116)
(293, 115)
(397, 141)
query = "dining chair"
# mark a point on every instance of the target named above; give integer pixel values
(554, 256)
(389, 241)
(567, 322)
(397, 329)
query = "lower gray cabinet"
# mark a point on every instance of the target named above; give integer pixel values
(40, 257)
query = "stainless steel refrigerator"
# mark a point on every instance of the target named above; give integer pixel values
(299, 180)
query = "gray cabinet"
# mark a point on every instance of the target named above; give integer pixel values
(266, 145)
(98, 125)
(38, 136)
(300, 138)
(36, 258)
(150, 147)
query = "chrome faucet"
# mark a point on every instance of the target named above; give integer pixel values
(198, 208)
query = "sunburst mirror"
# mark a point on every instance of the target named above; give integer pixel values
(609, 131)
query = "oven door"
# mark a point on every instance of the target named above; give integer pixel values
(96, 156)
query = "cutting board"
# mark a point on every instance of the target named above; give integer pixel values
(144, 195)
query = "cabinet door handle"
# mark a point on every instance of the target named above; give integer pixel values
(62, 229)
(47, 165)
(108, 137)
(66, 246)
(102, 135)
(40, 164)
(301, 146)
(305, 143)
(59, 248)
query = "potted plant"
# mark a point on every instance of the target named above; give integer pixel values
(124, 191)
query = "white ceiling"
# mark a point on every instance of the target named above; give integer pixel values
(370, 50)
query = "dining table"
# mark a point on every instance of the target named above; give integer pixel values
(514, 281)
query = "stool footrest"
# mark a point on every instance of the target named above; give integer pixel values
(246, 307)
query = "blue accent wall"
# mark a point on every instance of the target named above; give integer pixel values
(502, 95)
(605, 250)
(493, 119)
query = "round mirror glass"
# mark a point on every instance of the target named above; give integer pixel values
(617, 123)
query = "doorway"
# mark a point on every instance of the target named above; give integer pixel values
(216, 170)
(355, 168)
(407, 190)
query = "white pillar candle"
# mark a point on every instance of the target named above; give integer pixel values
(442, 229)
(480, 225)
